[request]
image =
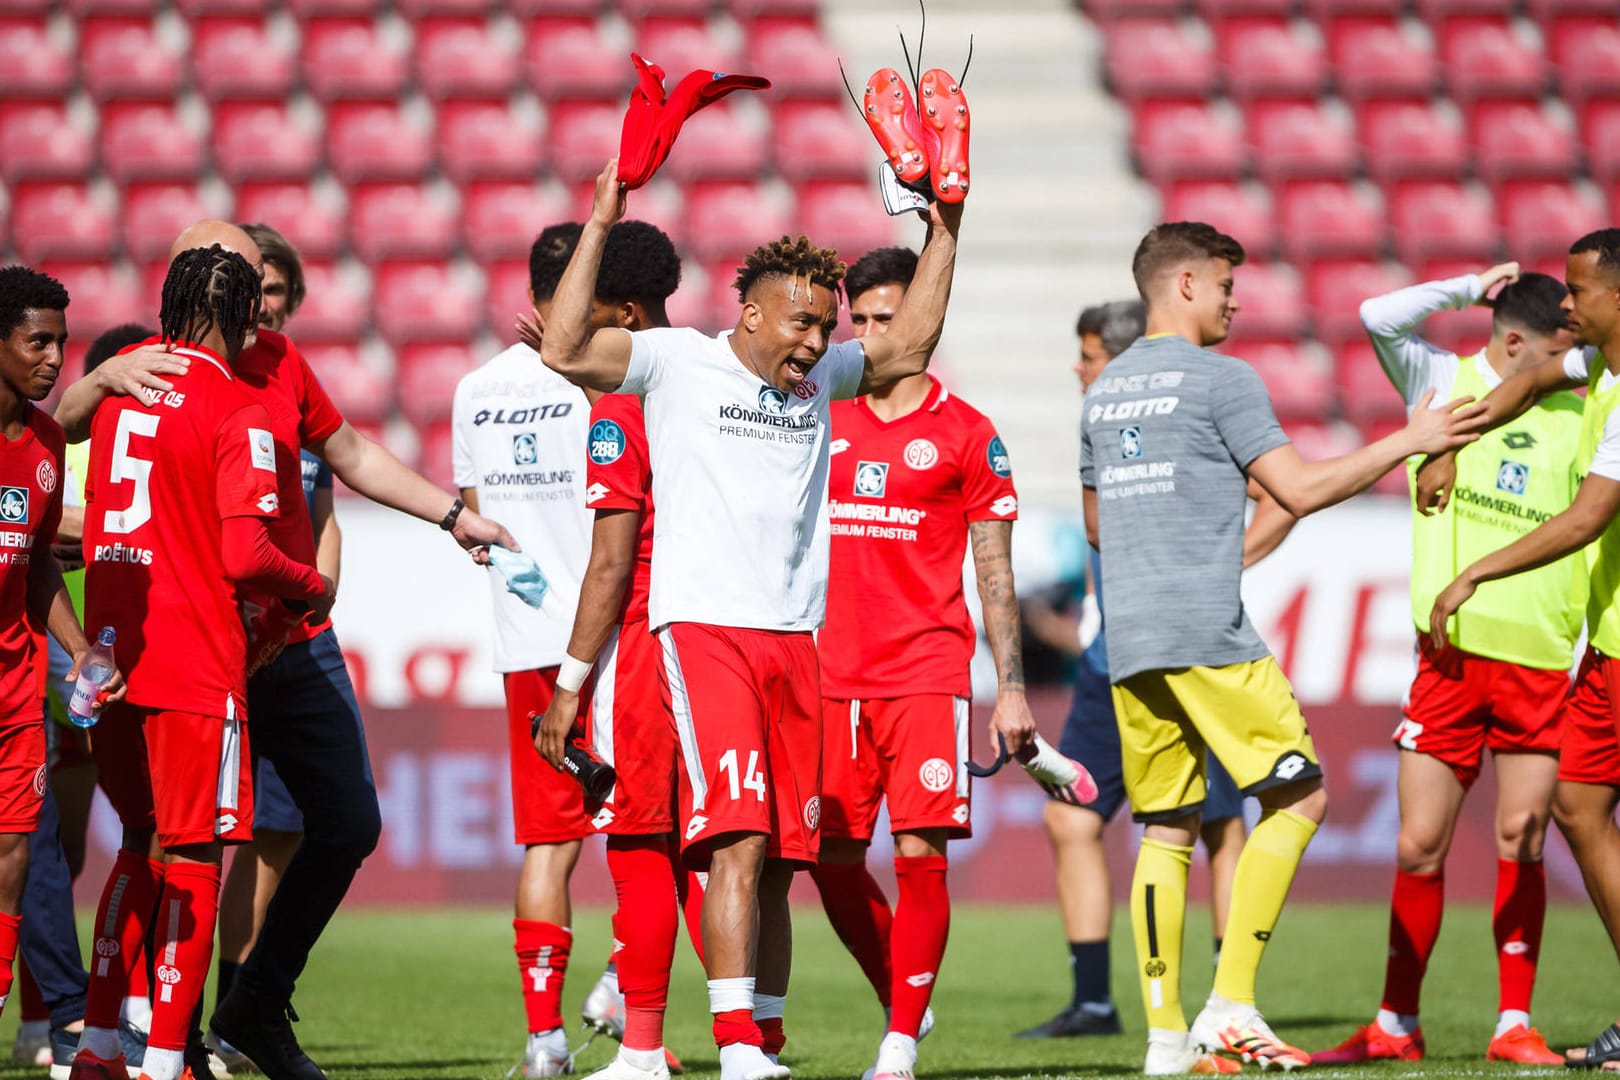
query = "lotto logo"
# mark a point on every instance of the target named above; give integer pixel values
(921, 454)
(46, 475)
(1004, 506)
(525, 449)
(224, 823)
(1515, 948)
(839, 446)
(603, 818)
(871, 479)
(1290, 765)
(936, 774)
(920, 981)
(594, 492)
(696, 825)
(269, 503)
(14, 505)
(1512, 477)
(960, 814)
(812, 813)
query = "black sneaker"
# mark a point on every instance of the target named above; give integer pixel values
(1074, 1021)
(260, 1029)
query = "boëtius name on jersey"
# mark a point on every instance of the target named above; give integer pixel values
(874, 521)
(122, 553)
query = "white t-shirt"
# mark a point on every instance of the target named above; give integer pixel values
(518, 435)
(739, 479)
(1606, 462)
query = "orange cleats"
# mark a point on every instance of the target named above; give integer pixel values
(1373, 1043)
(945, 112)
(892, 115)
(1523, 1045)
(1214, 1064)
(673, 1063)
(86, 1066)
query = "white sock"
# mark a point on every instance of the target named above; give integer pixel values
(136, 1012)
(102, 1042)
(645, 1060)
(897, 1045)
(728, 995)
(769, 1006)
(1394, 1023)
(1510, 1019)
(163, 1064)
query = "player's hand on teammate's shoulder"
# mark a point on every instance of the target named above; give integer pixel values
(1500, 274)
(1435, 430)
(1011, 720)
(141, 368)
(551, 739)
(1435, 479)
(608, 204)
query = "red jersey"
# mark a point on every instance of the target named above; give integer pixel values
(900, 496)
(278, 377)
(618, 476)
(30, 510)
(165, 470)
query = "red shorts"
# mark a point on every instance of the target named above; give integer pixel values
(747, 707)
(187, 776)
(1460, 703)
(1591, 751)
(22, 772)
(631, 730)
(548, 807)
(910, 750)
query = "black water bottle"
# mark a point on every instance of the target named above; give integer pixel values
(594, 775)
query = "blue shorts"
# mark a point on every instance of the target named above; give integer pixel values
(273, 806)
(1091, 737)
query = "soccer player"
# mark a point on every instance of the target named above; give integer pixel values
(1091, 737)
(181, 490)
(518, 441)
(916, 473)
(1588, 786)
(1500, 678)
(738, 440)
(1170, 433)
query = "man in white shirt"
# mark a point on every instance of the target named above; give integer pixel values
(737, 431)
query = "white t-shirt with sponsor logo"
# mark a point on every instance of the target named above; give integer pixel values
(518, 434)
(740, 481)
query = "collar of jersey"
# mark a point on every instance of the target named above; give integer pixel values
(203, 354)
(933, 402)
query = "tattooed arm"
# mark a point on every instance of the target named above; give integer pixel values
(992, 564)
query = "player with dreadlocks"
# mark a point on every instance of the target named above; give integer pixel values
(180, 494)
(739, 447)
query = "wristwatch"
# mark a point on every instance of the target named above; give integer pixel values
(449, 521)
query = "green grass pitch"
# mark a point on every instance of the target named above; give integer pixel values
(433, 994)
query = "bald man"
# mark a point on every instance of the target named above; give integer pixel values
(304, 713)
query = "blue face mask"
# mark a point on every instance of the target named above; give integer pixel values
(522, 574)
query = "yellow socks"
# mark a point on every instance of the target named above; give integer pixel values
(1158, 909)
(1265, 871)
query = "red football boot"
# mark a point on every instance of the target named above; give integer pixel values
(945, 112)
(1372, 1043)
(892, 115)
(1523, 1045)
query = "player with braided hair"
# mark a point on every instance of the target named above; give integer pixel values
(739, 446)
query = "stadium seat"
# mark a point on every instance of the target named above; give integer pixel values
(1157, 58)
(822, 139)
(1294, 139)
(1376, 57)
(353, 58)
(721, 302)
(433, 456)
(1175, 140)
(642, 9)
(259, 140)
(337, 306)
(485, 139)
(506, 295)
(81, 8)
(569, 57)
(1104, 11)
(391, 221)
(583, 135)
(104, 294)
(1335, 289)
(1406, 139)
(1318, 440)
(846, 216)
(154, 214)
(723, 142)
(1326, 218)
(1542, 217)
(1272, 301)
(691, 305)
(1486, 58)
(146, 140)
(377, 141)
(426, 377)
(1269, 58)
(128, 58)
(32, 63)
(661, 203)
(313, 218)
(1586, 56)
(728, 216)
(359, 390)
(58, 146)
(236, 57)
(1435, 11)
(50, 220)
(795, 56)
(1521, 138)
(428, 301)
(1600, 134)
(501, 218)
(750, 9)
(1434, 218)
(1242, 211)
(193, 9)
(1298, 377)
(1213, 11)
(420, 9)
(680, 45)
(467, 57)
(1328, 11)
(307, 9)
(1545, 10)
(1365, 393)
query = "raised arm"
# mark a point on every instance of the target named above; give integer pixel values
(992, 565)
(596, 360)
(1392, 319)
(909, 344)
(122, 374)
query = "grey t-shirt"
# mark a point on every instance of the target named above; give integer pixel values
(1169, 429)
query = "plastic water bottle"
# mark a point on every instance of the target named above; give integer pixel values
(93, 675)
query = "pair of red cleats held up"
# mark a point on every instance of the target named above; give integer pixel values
(925, 137)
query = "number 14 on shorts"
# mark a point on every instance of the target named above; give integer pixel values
(752, 778)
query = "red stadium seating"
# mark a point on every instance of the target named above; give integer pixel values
(719, 143)
(257, 140)
(1407, 139)
(1586, 56)
(1107, 10)
(568, 57)
(1299, 139)
(1157, 58)
(1487, 58)
(500, 219)
(1438, 10)
(749, 9)
(360, 392)
(1517, 138)
(353, 58)
(338, 304)
(127, 58)
(1365, 392)
(1213, 11)
(681, 45)
(1542, 217)
(433, 457)
(1266, 58)
(583, 135)
(465, 56)
(823, 139)
(392, 221)
(1174, 140)
(721, 302)
(1434, 218)
(641, 9)
(196, 8)
(306, 9)
(1318, 440)
(314, 219)
(795, 57)
(154, 214)
(235, 57)
(1336, 289)
(1271, 301)
(1325, 218)
(486, 139)
(80, 8)
(428, 301)
(506, 294)
(32, 62)
(416, 9)
(690, 306)
(1379, 58)
(1544, 10)
(1600, 132)
(426, 379)
(104, 295)
(845, 216)
(148, 141)
(377, 141)
(1298, 377)
(1242, 211)
(729, 216)
(56, 145)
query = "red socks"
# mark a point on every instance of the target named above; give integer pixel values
(1521, 909)
(859, 913)
(1414, 926)
(922, 922)
(736, 1026)
(644, 928)
(542, 958)
(689, 892)
(183, 949)
(9, 925)
(122, 917)
(772, 1038)
(33, 1004)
